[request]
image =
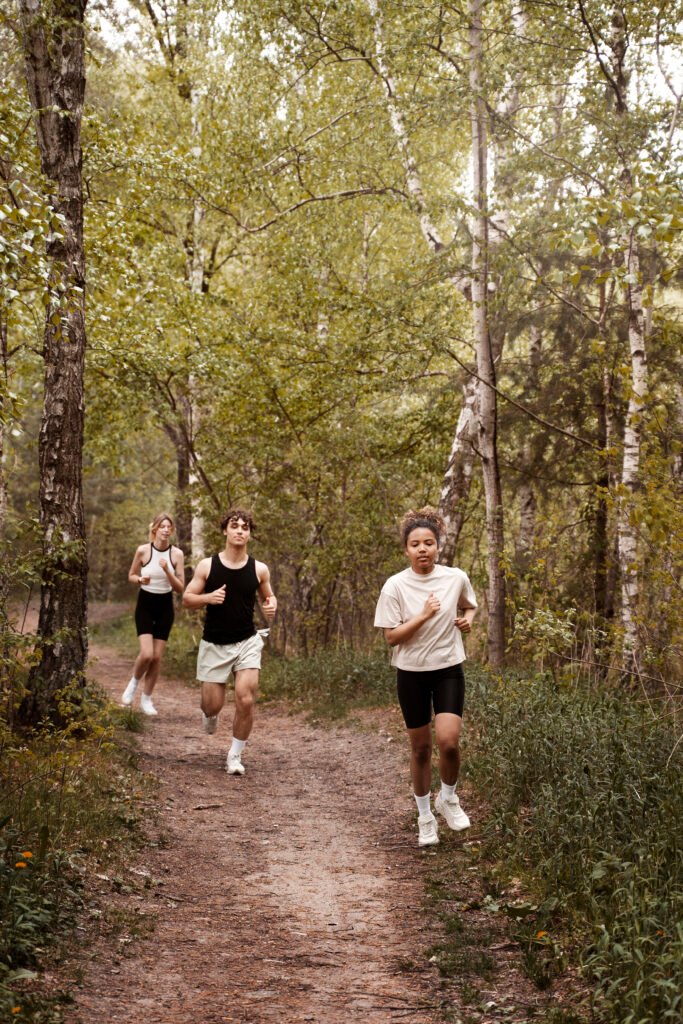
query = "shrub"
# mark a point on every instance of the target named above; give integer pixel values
(587, 793)
(332, 681)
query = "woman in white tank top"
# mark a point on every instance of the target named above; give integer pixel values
(158, 569)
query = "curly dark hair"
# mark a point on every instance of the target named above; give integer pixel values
(427, 518)
(239, 513)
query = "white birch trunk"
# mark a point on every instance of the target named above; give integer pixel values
(630, 475)
(487, 420)
(458, 476)
(627, 537)
(195, 273)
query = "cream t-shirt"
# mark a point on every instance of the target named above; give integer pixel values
(437, 643)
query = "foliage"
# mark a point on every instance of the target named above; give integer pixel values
(67, 803)
(586, 793)
(330, 683)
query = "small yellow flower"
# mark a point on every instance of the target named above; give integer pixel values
(16, 1009)
(26, 854)
(20, 864)
(541, 935)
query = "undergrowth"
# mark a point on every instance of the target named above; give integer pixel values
(69, 805)
(331, 682)
(585, 790)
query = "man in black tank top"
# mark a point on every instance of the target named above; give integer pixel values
(227, 585)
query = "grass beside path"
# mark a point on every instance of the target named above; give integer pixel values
(70, 801)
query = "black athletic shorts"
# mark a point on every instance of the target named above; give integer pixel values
(154, 614)
(442, 688)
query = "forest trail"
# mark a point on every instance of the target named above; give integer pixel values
(291, 894)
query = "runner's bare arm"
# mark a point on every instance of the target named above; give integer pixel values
(134, 575)
(176, 577)
(466, 613)
(266, 597)
(195, 595)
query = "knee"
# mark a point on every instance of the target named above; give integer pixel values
(422, 753)
(449, 746)
(245, 703)
(155, 661)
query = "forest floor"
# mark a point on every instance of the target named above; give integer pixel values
(294, 893)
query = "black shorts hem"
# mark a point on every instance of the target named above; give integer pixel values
(154, 613)
(441, 691)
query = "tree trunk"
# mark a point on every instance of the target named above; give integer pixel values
(3, 392)
(604, 535)
(54, 50)
(183, 508)
(457, 479)
(196, 276)
(633, 429)
(488, 411)
(630, 476)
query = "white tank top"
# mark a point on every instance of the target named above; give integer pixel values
(158, 581)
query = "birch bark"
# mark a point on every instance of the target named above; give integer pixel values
(53, 41)
(630, 475)
(487, 419)
(457, 479)
(633, 428)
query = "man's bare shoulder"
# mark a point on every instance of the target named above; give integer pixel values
(203, 567)
(262, 570)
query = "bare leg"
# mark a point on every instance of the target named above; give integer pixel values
(154, 667)
(212, 698)
(421, 759)
(144, 658)
(448, 728)
(246, 687)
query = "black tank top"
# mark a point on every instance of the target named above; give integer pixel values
(232, 621)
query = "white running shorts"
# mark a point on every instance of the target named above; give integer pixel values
(215, 662)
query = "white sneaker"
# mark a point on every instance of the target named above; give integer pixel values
(129, 693)
(146, 705)
(452, 812)
(428, 832)
(233, 764)
(209, 723)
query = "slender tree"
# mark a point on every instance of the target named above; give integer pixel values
(488, 415)
(53, 40)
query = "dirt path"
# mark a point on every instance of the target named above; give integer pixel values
(291, 894)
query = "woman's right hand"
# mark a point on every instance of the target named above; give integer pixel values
(432, 606)
(144, 580)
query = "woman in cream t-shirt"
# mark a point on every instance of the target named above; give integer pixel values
(424, 611)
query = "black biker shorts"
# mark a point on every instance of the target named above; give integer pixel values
(442, 688)
(154, 614)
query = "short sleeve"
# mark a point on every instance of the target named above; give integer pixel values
(467, 599)
(388, 611)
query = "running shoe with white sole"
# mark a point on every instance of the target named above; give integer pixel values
(233, 764)
(452, 812)
(129, 693)
(428, 831)
(146, 705)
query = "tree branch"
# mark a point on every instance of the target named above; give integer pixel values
(523, 409)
